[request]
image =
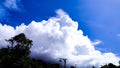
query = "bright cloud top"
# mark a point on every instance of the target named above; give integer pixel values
(59, 37)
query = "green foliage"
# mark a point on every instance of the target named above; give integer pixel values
(20, 45)
(16, 55)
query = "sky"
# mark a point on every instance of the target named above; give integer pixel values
(87, 29)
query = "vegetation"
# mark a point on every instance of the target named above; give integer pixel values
(110, 65)
(16, 55)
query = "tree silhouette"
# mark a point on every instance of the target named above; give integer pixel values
(20, 45)
(64, 60)
(110, 65)
(16, 52)
(16, 55)
(72, 67)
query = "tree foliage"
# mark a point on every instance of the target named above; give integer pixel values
(110, 65)
(16, 55)
(20, 45)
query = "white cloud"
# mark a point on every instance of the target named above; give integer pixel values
(58, 37)
(6, 32)
(97, 42)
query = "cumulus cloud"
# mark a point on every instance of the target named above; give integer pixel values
(59, 37)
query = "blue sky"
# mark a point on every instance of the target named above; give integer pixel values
(98, 19)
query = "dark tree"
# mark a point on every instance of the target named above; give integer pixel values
(110, 65)
(72, 67)
(20, 45)
(16, 53)
(105, 66)
(64, 60)
(93, 66)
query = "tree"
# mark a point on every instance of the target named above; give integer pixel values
(110, 65)
(64, 60)
(16, 53)
(20, 45)
(72, 67)
(104, 66)
(93, 66)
